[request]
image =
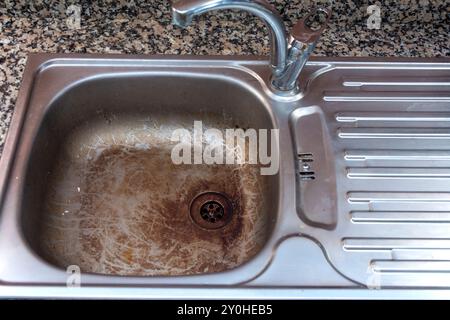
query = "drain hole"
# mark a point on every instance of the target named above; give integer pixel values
(306, 157)
(211, 210)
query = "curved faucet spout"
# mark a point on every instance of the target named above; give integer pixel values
(184, 11)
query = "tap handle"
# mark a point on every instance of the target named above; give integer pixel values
(305, 33)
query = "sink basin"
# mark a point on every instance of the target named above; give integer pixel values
(103, 193)
(360, 199)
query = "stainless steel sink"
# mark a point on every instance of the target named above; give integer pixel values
(361, 200)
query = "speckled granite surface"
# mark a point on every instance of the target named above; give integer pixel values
(409, 28)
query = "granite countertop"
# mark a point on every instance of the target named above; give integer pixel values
(409, 28)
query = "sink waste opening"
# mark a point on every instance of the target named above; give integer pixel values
(211, 210)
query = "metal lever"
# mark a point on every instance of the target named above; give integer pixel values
(303, 40)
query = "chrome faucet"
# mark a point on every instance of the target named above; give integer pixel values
(289, 52)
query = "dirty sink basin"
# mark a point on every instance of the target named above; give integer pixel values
(101, 191)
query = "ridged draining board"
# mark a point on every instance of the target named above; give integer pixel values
(388, 129)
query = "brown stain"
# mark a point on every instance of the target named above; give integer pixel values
(134, 216)
(128, 255)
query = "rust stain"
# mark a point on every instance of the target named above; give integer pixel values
(132, 214)
(128, 255)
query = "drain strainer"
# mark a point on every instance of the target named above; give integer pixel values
(211, 210)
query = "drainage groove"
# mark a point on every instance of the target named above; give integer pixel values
(211, 210)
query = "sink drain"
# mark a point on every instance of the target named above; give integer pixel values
(211, 210)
